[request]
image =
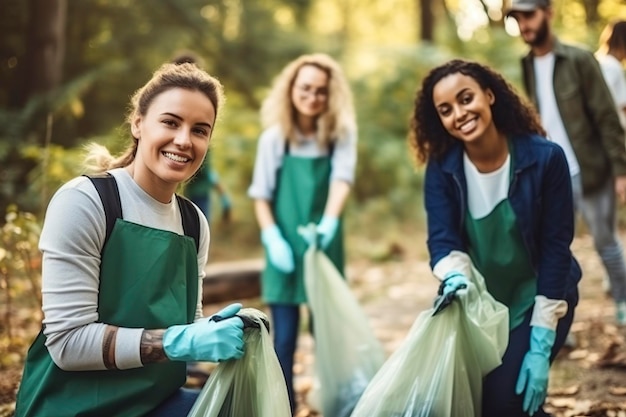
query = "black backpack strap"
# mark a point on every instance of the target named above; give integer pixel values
(331, 149)
(191, 220)
(110, 196)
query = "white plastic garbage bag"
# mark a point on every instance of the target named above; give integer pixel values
(347, 353)
(438, 369)
(253, 386)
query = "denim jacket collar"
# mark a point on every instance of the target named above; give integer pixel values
(523, 157)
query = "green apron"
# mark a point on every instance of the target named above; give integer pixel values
(498, 252)
(300, 198)
(148, 279)
(200, 184)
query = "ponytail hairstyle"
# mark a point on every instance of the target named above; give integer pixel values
(185, 75)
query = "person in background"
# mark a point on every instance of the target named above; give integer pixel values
(303, 172)
(566, 85)
(498, 196)
(611, 55)
(198, 188)
(123, 268)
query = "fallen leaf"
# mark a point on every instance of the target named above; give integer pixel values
(578, 354)
(617, 390)
(571, 390)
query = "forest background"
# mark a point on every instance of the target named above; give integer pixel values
(68, 68)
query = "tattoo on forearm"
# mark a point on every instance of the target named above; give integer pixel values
(108, 347)
(151, 349)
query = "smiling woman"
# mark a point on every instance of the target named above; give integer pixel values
(303, 174)
(498, 198)
(174, 134)
(123, 262)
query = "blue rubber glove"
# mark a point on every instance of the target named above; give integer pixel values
(309, 234)
(326, 230)
(207, 340)
(454, 281)
(278, 250)
(533, 376)
(225, 200)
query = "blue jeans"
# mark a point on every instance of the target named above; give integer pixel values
(599, 213)
(177, 405)
(285, 326)
(499, 397)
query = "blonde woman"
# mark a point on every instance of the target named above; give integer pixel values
(303, 173)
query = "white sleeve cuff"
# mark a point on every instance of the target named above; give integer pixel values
(547, 312)
(455, 261)
(127, 348)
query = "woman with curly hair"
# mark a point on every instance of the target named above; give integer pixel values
(303, 173)
(498, 196)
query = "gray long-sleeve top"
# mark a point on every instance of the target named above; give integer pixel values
(71, 242)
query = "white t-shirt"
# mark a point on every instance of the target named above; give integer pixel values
(549, 111)
(269, 159)
(616, 81)
(485, 190)
(71, 242)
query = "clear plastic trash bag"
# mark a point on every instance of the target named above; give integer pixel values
(438, 369)
(253, 386)
(347, 353)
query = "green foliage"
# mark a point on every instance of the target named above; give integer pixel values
(19, 281)
(387, 183)
(112, 46)
(23, 139)
(55, 166)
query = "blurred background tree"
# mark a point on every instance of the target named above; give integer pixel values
(68, 68)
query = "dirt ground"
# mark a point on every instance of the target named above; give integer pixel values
(587, 379)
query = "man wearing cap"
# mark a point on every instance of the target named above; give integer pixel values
(566, 85)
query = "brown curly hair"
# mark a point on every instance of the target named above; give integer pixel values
(512, 114)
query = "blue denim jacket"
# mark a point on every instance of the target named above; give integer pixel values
(541, 197)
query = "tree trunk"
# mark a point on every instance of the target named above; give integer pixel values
(592, 16)
(427, 21)
(45, 46)
(229, 281)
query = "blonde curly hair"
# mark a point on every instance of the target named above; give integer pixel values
(335, 122)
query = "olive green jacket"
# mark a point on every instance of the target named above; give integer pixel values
(587, 111)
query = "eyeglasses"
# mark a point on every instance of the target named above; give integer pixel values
(307, 90)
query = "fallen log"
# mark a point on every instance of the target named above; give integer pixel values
(230, 281)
